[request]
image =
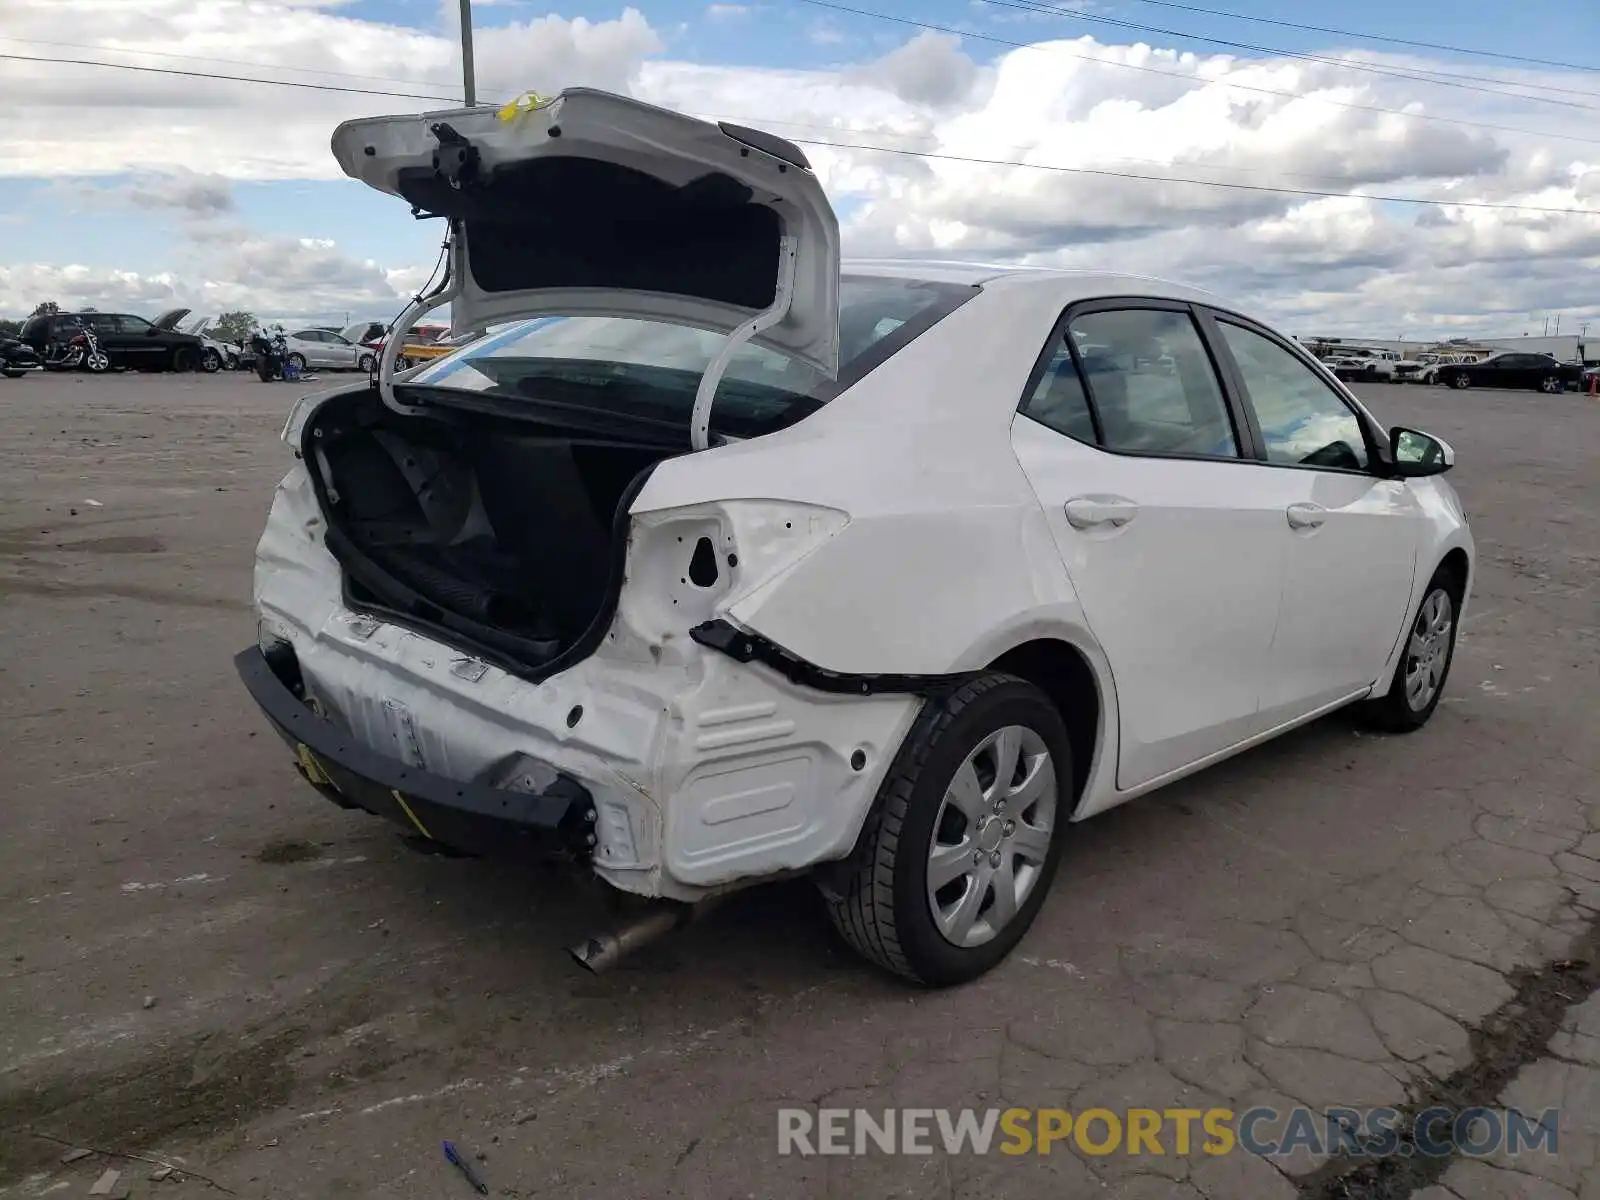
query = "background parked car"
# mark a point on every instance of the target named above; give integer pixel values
(1513, 369)
(215, 354)
(127, 341)
(310, 347)
(1421, 370)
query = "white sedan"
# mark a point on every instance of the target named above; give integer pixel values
(309, 348)
(730, 564)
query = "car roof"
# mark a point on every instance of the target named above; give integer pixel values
(1065, 285)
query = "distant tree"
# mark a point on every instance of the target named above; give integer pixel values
(10, 326)
(234, 327)
(46, 308)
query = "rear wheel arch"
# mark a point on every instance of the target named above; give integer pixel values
(1063, 673)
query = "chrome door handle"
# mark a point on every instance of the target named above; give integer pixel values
(1306, 516)
(1090, 512)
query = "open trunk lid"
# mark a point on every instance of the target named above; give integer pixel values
(596, 204)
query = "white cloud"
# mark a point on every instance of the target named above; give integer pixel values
(1348, 261)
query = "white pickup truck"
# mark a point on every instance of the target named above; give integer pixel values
(1369, 366)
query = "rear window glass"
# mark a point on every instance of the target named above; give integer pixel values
(649, 369)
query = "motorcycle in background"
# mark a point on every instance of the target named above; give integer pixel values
(82, 349)
(272, 357)
(17, 358)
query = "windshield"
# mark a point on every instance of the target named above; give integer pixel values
(621, 367)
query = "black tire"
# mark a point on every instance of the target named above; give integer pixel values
(1550, 385)
(210, 361)
(299, 361)
(1394, 712)
(364, 364)
(12, 372)
(1460, 380)
(879, 902)
(184, 359)
(402, 363)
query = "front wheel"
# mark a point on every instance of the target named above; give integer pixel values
(957, 856)
(364, 364)
(210, 361)
(97, 362)
(1424, 665)
(183, 359)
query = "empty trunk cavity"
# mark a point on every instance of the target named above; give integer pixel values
(500, 536)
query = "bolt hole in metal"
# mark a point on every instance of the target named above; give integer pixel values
(574, 715)
(991, 835)
(1428, 650)
(858, 760)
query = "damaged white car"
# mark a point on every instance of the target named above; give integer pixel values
(727, 562)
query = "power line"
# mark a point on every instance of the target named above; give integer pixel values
(1372, 37)
(1193, 81)
(289, 83)
(1466, 83)
(927, 154)
(1245, 187)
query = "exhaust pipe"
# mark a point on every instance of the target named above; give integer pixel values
(602, 951)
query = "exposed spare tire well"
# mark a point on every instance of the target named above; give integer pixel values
(504, 537)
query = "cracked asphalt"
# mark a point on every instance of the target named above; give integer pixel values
(201, 958)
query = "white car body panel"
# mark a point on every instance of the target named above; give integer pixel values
(669, 146)
(910, 526)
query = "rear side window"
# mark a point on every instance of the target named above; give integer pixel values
(1059, 401)
(1152, 384)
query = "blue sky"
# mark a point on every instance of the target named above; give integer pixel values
(66, 220)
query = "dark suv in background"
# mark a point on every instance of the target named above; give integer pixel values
(127, 340)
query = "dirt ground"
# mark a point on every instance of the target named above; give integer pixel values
(199, 957)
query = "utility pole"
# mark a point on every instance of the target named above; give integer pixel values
(468, 82)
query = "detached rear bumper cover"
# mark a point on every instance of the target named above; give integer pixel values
(467, 816)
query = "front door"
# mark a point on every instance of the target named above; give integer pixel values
(1351, 537)
(1175, 560)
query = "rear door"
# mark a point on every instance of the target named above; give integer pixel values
(1350, 537)
(1174, 551)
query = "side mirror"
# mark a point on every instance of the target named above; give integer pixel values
(1413, 454)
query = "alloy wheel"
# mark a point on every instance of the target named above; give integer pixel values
(991, 835)
(1428, 651)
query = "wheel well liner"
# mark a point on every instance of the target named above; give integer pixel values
(1060, 670)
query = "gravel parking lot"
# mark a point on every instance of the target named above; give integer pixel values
(202, 958)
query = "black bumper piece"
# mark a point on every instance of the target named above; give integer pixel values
(470, 817)
(752, 647)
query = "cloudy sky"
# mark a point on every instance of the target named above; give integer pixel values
(142, 189)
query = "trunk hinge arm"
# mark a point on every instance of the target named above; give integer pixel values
(706, 393)
(421, 305)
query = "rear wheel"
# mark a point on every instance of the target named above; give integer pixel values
(957, 857)
(1460, 380)
(1424, 665)
(402, 363)
(364, 365)
(1550, 385)
(298, 361)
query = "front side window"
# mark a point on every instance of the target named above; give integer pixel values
(623, 367)
(126, 324)
(1303, 421)
(1152, 384)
